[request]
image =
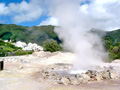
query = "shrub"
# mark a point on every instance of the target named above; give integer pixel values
(2, 52)
(115, 49)
(51, 45)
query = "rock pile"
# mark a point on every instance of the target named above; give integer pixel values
(77, 79)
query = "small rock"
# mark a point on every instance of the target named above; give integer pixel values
(21, 67)
(50, 77)
(44, 70)
(91, 73)
(105, 75)
(65, 81)
(74, 81)
(98, 77)
(44, 75)
(116, 61)
(53, 73)
(77, 76)
(86, 78)
(80, 80)
(113, 75)
(58, 79)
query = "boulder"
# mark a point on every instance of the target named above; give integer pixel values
(113, 74)
(65, 81)
(91, 73)
(45, 73)
(77, 76)
(98, 77)
(80, 80)
(116, 61)
(58, 79)
(21, 67)
(105, 75)
(85, 77)
(74, 81)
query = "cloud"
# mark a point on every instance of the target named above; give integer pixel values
(50, 21)
(105, 13)
(3, 9)
(21, 12)
(25, 11)
(102, 14)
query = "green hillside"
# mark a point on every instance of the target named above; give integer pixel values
(35, 34)
(113, 36)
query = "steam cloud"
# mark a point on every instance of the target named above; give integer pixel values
(74, 31)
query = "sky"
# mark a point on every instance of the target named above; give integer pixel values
(14, 11)
(37, 12)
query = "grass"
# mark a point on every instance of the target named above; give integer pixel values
(21, 52)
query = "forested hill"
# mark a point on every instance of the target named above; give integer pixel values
(114, 36)
(35, 34)
(38, 34)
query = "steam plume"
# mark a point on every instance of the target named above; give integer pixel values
(74, 31)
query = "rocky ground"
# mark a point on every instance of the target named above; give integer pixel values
(42, 71)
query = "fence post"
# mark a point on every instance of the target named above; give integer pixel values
(1, 65)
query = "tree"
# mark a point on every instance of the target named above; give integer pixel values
(51, 45)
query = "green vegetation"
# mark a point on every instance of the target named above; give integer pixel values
(21, 52)
(51, 45)
(2, 52)
(112, 44)
(6, 47)
(34, 34)
(9, 47)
